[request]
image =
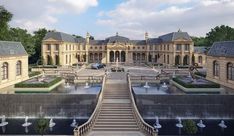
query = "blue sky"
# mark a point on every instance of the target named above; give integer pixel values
(131, 18)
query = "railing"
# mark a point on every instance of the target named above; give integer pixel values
(146, 128)
(83, 129)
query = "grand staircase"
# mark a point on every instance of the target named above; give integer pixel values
(115, 114)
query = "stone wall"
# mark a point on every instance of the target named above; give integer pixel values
(57, 105)
(186, 106)
(222, 78)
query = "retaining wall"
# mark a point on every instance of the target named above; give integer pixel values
(187, 106)
(56, 105)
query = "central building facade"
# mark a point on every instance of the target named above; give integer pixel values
(174, 48)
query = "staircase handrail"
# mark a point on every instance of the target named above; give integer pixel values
(84, 128)
(145, 127)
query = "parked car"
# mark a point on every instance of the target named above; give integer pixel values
(97, 65)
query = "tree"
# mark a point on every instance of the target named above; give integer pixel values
(5, 17)
(190, 127)
(38, 37)
(21, 35)
(220, 33)
(42, 125)
(199, 41)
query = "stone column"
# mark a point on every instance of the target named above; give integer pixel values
(119, 55)
(114, 55)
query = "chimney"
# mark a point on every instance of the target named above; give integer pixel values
(146, 36)
(87, 37)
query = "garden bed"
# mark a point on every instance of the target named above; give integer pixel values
(201, 85)
(35, 86)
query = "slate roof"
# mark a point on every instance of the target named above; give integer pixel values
(117, 38)
(174, 36)
(138, 42)
(222, 49)
(154, 41)
(63, 37)
(200, 49)
(97, 42)
(9, 48)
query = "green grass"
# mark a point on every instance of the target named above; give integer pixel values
(38, 85)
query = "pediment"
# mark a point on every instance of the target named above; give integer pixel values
(117, 46)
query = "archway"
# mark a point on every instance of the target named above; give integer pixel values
(111, 56)
(123, 56)
(56, 59)
(186, 60)
(95, 57)
(177, 60)
(134, 56)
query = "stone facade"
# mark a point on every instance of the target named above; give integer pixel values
(13, 62)
(200, 56)
(220, 63)
(170, 49)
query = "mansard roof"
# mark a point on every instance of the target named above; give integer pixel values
(10, 48)
(222, 49)
(138, 42)
(175, 36)
(117, 38)
(60, 36)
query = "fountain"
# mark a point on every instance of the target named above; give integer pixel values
(116, 68)
(26, 123)
(201, 124)
(156, 124)
(179, 124)
(40, 111)
(86, 85)
(67, 85)
(164, 86)
(3, 121)
(74, 123)
(222, 124)
(51, 124)
(146, 86)
(61, 112)
(174, 74)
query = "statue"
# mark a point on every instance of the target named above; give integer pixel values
(192, 70)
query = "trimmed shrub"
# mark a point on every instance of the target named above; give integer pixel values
(190, 127)
(38, 85)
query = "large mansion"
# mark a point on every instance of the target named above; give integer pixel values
(174, 48)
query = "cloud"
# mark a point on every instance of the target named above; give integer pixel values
(34, 14)
(158, 17)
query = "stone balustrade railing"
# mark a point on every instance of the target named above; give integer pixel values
(144, 127)
(87, 126)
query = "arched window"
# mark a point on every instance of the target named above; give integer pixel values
(5, 68)
(230, 71)
(18, 68)
(216, 68)
(200, 59)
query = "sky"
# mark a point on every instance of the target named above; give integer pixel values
(130, 18)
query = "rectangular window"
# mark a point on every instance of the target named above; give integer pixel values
(168, 47)
(186, 47)
(48, 47)
(164, 47)
(160, 47)
(70, 47)
(178, 47)
(56, 47)
(66, 47)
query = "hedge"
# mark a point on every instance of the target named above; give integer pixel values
(189, 85)
(38, 85)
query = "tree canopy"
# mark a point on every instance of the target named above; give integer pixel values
(219, 33)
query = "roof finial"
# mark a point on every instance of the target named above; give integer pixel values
(146, 35)
(179, 30)
(117, 34)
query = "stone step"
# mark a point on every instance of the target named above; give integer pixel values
(115, 126)
(115, 109)
(115, 129)
(115, 117)
(113, 114)
(116, 120)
